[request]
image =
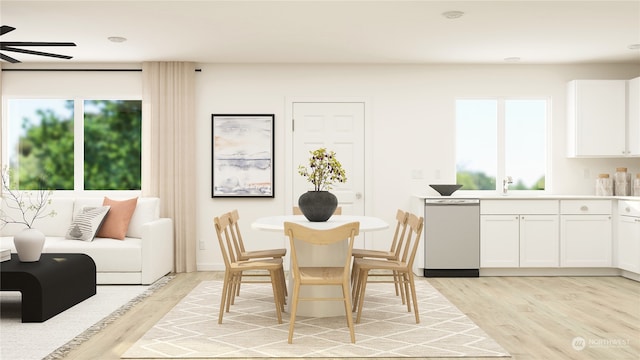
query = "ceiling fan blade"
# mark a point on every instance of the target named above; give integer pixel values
(31, 43)
(5, 29)
(31, 52)
(8, 58)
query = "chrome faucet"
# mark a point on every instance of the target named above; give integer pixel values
(505, 184)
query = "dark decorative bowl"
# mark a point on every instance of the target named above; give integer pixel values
(446, 189)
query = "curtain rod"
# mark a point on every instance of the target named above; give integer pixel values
(197, 70)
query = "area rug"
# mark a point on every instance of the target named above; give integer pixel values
(55, 337)
(250, 329)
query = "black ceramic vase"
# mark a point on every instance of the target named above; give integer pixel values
(317, 206)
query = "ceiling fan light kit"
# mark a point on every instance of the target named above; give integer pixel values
(15, 46)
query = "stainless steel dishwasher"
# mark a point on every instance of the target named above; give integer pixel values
(452, 237)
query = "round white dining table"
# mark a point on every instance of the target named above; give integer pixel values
(309, 255)
(276, 223)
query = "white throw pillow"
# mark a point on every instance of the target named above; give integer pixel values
(87, 222)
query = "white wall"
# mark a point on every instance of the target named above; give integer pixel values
(412, 118)
(411, 114)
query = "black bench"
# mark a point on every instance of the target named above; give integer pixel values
(51, 285)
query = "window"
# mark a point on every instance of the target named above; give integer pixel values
(63, 144)
(497, 138)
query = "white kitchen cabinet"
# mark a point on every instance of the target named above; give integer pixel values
(585, 233)
(633, 116)
(629, 236)
(596, 115)
(520, 233)
(499, 241)
(539, 241)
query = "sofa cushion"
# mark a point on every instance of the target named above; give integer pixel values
(109, 255)
(50, 225)
(117, 220)
(86, 223)
(147, 210)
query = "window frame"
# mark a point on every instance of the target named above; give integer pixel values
(501, 143)
(78, 142)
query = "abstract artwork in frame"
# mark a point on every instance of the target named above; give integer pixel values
(242, 155)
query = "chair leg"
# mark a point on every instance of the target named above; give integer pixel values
(277, 299)
(347, 312)
(237, 291)
(403, 289)
(294, 308)
(415, 298)
(283, 283)
(355, 289)
(231, 294)
(354, 273)
(405, 281)
(364, 274)
(223, 297)
(282, 289)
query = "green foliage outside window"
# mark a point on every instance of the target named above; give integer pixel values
(112, 147)
(45, 151)
(481, 181)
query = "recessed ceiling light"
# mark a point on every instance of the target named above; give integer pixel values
(117, 39)
(512, 59)
(634, 46)
(452, 14)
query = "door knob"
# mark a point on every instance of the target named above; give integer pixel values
(358, 195)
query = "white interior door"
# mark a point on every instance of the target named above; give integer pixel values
(338, 127)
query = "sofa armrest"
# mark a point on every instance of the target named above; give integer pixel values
(157, 249)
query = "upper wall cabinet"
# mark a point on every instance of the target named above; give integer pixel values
(633, 116)
(597, 118)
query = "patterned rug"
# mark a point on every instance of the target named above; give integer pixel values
(56, 337)
(250, 329)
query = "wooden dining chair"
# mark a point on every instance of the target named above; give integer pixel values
(237, 271)
(242, 254)
(391, 254)
(321, 275)
(297, 211)
(238, 243)
(403, 267)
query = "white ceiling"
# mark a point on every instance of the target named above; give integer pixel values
(299, 31)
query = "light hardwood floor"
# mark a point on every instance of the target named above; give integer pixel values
(531, 317)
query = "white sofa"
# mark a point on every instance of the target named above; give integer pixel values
(144, 256)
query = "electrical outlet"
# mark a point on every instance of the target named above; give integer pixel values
(202, 245)
(416, 174)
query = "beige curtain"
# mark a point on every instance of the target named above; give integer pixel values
(169, 170)
(1, 127)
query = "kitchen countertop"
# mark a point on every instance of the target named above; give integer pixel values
(511, 196)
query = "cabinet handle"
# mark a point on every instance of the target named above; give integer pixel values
(584, 208)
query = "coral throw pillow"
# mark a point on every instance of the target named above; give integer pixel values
(116, 223)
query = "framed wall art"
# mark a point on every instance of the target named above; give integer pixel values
(242, 155)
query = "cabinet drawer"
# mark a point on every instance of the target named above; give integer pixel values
(518, 206)
(585, 207)
(629, 208)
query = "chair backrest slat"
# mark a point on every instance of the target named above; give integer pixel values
(238, 243)
(415, 224)
(399, 233)
(222, 225)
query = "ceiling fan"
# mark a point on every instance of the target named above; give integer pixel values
(11, 46)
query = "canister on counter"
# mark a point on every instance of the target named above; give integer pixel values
(636, 185)
(622, 182)
(604, 185)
